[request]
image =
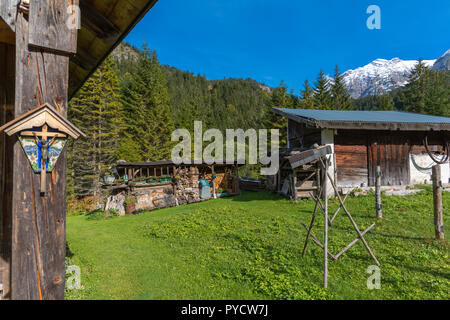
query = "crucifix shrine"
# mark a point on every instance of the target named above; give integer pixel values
(43, 142)
(48, 49)
(36, 43)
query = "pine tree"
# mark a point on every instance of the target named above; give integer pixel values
(279, 99)
(307, 96)
(147, 115)
(339, 92)
(322, 96)
(414, 97)
(96, 111)
(428, 91)
(437, 100)
(385, 102)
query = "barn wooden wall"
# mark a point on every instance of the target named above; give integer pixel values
(359, 152)
(7, 72)
(351, 157)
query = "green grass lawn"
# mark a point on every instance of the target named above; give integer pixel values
(249, 247)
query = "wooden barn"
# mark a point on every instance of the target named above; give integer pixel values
(48, 49)
(401, 143)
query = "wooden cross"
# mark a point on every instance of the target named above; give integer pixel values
(42, 137)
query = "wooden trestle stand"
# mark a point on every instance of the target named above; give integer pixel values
(323, 193)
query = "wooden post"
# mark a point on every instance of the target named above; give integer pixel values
(378, 203)
(294, 186)
(213, 183)
(7, 72)
(43, 46)
(437, 200)
(325, 223)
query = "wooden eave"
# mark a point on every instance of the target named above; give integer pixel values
(357, 125)
(104, 24)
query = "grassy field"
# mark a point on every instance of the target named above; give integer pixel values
(249, 247)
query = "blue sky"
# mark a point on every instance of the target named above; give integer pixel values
(289, 40)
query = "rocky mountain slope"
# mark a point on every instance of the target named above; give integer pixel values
(382, 75)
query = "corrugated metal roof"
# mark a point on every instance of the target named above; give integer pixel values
(366, 120)
(366, 116)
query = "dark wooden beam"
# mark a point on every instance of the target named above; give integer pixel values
(84, 60)
(6, 34)
(38, 223)
(7, 70)
(98, 24)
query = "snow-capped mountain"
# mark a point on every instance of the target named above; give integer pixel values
(380, 76)
(443, 63)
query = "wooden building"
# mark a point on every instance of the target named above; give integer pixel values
(45, 57)
(363, 140)
(159, 184)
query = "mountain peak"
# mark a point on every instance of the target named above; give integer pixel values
(380, 76)
(443, 63)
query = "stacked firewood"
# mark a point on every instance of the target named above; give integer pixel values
(187, 186)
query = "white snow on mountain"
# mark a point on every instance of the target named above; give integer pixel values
(443, 63)
(380, 76)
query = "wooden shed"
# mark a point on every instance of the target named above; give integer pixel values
(363, 140)
(45, 57)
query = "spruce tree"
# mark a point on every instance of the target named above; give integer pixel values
(385, 102)
(280, 99)
(437, 100)
(322, 96)
(339, 92)
(96, 111)
(146, 112)
(307, 96)
(414, 97)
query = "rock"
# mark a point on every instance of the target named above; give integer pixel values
(116, 202)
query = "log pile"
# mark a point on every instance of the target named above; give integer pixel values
(187, 186)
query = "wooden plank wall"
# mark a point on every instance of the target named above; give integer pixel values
(351, 157)
(390, 151)
(7, 72)
(358, 152)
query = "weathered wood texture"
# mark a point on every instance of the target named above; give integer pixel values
(8, 10)
(437, 201)
(351, 158)
(359, 152)
(391, 153)
(378, 204)
(7, 70)
(49, 25)
(38, 223)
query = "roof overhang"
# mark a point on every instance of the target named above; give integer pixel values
(104, 24)
(364, 125)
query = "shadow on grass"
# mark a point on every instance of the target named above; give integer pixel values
(396, 236)
(247, 196)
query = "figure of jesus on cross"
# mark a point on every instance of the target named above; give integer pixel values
(44, 144)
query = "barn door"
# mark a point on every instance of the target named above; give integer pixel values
(391, 153)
